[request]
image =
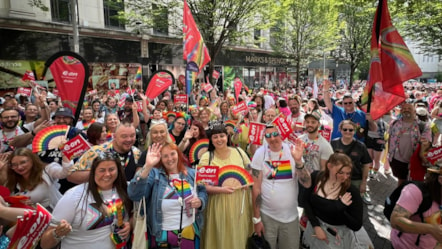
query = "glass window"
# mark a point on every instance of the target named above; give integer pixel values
(111, 9)
(257, 37)
(60, 11)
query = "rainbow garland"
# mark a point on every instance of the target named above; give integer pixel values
(198, 149)
(234, 172)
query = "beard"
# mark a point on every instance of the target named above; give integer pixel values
(10, 124)
(406, 115)
(312, 129)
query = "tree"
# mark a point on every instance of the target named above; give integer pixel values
(304, 29)
(220, 22)
(420, 20)
(356, 18)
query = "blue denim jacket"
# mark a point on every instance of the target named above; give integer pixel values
(152, 188)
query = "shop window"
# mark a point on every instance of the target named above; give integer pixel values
(111, 9)
(160, 20)
(60, 11)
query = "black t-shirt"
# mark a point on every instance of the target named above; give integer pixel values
(358, 153)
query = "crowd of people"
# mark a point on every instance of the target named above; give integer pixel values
(307, 191)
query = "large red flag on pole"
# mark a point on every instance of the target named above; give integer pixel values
(391, 65)
(195, 52)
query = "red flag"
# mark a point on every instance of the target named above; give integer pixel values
(194, 49)
(391, 64)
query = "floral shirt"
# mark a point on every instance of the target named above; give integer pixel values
(396, 131)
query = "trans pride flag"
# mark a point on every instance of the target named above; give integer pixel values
(195, 52)
(391, 65)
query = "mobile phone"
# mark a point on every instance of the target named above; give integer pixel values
(331, 231)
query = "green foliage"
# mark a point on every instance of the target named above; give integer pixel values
(38, 4)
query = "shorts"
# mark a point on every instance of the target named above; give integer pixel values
(377, 144)
(400, 169)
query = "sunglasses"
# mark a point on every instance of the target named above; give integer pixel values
(274, 134)
(347, 103)
(350, 130)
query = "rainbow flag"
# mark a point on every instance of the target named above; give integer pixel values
(195, 52)
(138, 76)
(391, 64)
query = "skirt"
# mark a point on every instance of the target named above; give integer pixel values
(338, 237)
(169, 239)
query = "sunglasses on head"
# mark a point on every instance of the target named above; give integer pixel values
(350, 130)
(274, 134)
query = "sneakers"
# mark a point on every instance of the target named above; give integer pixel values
(366, 198)
(387, 171)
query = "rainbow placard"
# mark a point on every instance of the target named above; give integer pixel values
(234, 176)
(198, 149)
(50, 138)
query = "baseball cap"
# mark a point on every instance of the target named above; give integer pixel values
(314, 114)
(63, 111)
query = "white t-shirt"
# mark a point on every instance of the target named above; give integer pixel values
(6, 137)
(170, 206)
(90, 230)
(280, 192)
(315, 150)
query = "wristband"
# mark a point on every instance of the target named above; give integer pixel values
(33, 133)
(299, 166)
(256, 220)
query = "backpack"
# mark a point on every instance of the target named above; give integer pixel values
(390, 202)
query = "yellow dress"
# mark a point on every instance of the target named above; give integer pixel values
(227, 217)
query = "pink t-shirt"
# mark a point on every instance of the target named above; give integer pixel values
(410, 199)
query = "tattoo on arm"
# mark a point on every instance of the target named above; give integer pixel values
(402, 215)
(255, 173)
(258, 200)
(304, 178)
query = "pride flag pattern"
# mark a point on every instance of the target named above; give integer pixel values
(278, 170)
(175, 190)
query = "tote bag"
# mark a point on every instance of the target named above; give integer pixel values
(140, 229)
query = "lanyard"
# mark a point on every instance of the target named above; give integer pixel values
(122, 158)
(274, 167)
(7, 140)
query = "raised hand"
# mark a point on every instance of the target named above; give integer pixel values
(188, 135)
(297, 150)
(153, 155)
(3, 160)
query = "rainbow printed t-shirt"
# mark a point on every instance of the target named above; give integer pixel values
(97, 219)
(278, 170)
(175, 190)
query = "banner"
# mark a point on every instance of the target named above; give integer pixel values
(194, 49)
(207, 175)
(70, 72)
(256, 133)
(237, 83)
(24, 91)
(283, 126)
(30, 228)
(158, 83)
(180, 99)
(75, 147)
(240, 107)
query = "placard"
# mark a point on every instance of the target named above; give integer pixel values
(24, 91)
(240, 107)
(207, 175)
(207, 87)
(139, 105)
(256, 132)
(75, 147)
(283, 126)
(434, 155)
(180, 99)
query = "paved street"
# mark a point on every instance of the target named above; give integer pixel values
(375, 223)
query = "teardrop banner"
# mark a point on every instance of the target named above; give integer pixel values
(158, 83)
(71, 73)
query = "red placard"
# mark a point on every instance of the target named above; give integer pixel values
(434, 154)
(292, 137)
(92, 92)
(75, 147)
(283, 126)
(326, 133)
(207, 175)
(237, 83)
(122, 101)
(207, 87)
(182, 79)
(240, 107)
(215, 74)
(55, 91)
(256, 132)
(24, 91)
(139, 105)
(180, 99)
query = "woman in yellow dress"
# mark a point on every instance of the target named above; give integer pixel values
(228, 214)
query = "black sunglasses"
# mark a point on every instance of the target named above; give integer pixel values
(274, 134)
(347, 103)
(350, 130)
